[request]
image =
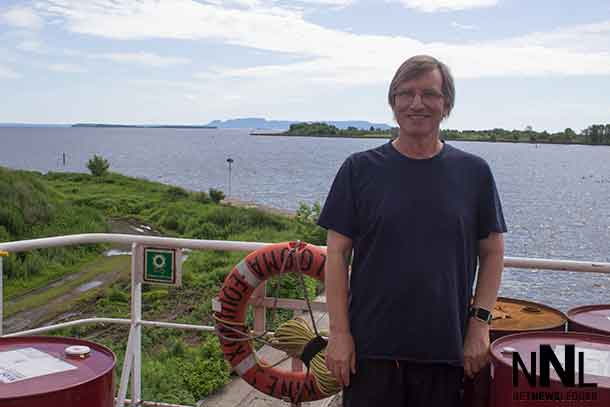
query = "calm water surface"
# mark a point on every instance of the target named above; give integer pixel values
(556, 198)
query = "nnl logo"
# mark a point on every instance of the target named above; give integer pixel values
(548, 358)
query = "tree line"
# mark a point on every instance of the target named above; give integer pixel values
(328, 130)
(596, 134)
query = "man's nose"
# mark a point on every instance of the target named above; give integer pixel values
(417, 101)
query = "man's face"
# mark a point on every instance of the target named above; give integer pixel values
(419, 105)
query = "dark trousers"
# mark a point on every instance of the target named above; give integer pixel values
(390, 383)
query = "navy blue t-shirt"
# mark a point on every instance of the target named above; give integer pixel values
(415, 226)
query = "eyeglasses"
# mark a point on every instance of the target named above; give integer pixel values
(427, 97)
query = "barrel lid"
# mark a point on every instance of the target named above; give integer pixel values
(36, 365)
(592, 316)
(511, 314)
(596, 349)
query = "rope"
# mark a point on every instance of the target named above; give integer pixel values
(291, 337)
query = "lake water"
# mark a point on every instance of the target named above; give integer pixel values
(556, 198)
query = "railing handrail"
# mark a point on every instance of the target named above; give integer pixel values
(94, 238)
(132, 360)
(231, 245)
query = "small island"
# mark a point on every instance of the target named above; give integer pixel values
(597, 134)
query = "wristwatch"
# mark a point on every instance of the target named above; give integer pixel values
(481, 314)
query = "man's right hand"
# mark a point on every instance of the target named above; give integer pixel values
(341, 357)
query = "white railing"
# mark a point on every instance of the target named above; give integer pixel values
(132, 362)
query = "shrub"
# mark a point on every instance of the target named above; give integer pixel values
(176, 193)
(170, 222)
(208, 231)
(202, 197)
(98, 166)
(206, 372)
(307, 228)
(216, 195)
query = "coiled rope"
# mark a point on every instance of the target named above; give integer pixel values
(292, 337)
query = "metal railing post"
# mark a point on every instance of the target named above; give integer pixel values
(2, 254)
(136, 321)
(260, 312)
(127, 363)
(297, 366)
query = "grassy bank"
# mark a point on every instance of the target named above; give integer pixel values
(178, 366)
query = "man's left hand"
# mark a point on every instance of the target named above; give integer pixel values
(476, 347)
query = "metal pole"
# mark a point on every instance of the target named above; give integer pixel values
(230, 161)
(136, 319)
(127, 363)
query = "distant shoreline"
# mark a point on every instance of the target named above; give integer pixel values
(317, 135)
(384, 136)
(135, 126)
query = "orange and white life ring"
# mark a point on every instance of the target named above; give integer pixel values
(230, 313)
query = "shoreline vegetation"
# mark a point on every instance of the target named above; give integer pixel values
(180, 367)
(597, 134)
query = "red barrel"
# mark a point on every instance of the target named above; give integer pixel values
(50, 371)
(590, 318)
(595, 367)
(511, 316)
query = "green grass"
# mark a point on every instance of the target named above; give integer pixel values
(178, 366)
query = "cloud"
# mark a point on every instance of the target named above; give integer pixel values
(328, 55)
(66, 68)
(7, 73)
(23, 17)
(433, 6)
(338, 3)
(31, 46)
(464, 26)
(145, 58)
(584, 37)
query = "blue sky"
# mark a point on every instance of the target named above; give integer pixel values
(516, 63)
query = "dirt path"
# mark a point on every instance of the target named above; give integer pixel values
(55, 302)
(61, 296)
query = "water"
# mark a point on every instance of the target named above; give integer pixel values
(88, 286)
(555, 198)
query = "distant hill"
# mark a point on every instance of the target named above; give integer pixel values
(262, 123)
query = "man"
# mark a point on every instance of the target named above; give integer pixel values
(419, 215)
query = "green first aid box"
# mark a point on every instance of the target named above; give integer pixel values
(162, 266)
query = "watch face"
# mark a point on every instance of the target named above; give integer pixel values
(481, 314)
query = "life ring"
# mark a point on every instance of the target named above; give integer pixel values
(230, 312)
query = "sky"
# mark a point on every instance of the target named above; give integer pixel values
(516, 63)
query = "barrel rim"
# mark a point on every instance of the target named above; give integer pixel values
(533, 329)
(58, 339)
(573, 312)
(495, 345)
